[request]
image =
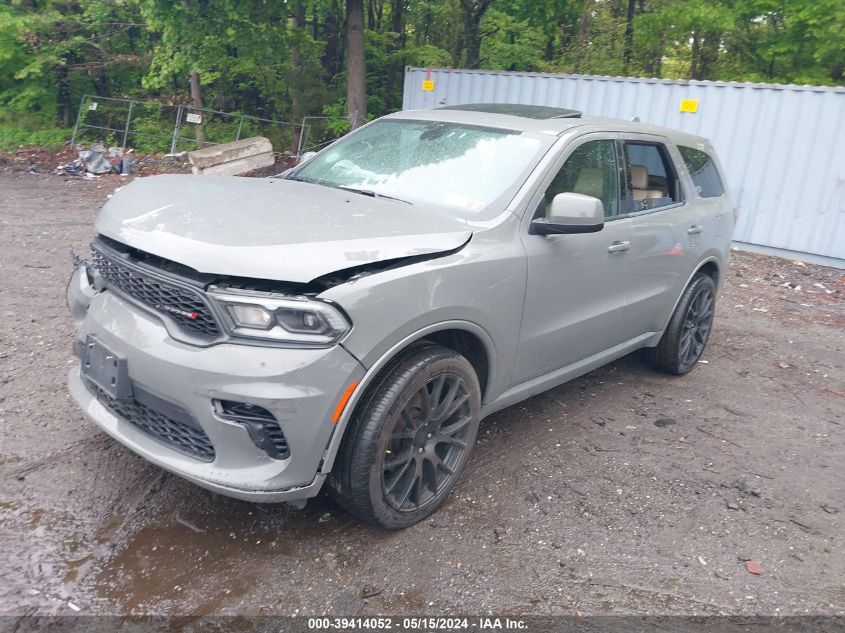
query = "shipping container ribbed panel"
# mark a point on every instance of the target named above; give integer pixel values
(782, 146)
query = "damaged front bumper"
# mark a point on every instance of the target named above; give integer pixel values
(174, 417)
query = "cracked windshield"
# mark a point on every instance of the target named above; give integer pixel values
(462, 168)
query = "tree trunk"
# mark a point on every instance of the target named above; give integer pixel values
(332, 27)
(472, 34)
(582, 35)
(473, 11)
(63, 96)
(356, 81)
(397, 20)
(549, 54)
(629, 35)
(196, 101)
(379, 14)
(296, 87)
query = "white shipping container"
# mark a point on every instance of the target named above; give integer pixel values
(782, 146)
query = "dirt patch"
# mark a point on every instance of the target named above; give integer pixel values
(43, 161)
(625, 491)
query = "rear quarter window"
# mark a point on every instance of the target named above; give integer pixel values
(703, 170)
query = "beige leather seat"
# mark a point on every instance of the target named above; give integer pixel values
(639, 182)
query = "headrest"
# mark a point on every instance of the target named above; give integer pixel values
(639, 177)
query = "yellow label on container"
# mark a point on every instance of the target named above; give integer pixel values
(689, 105)
(428, 85)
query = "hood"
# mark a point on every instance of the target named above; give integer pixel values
(270, 228)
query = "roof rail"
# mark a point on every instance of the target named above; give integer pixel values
(518, 109)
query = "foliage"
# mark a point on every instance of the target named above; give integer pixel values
(286, 60)
(13, 136)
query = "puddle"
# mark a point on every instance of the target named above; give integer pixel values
(210, 561)
(227, 554)
(45, 551)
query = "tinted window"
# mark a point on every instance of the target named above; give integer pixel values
(650, 180)
(704, 174)
(591, 171)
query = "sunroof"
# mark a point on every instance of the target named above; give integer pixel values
(518, 109)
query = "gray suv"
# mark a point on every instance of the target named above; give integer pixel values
(351, 322)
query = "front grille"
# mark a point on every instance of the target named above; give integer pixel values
(188, 440)
(185, 307)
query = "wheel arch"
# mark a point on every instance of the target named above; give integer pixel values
(465, 337)
(712, 267)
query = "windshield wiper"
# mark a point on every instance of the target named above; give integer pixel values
(372, 194)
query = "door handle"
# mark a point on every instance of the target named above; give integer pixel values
(695, 228)
(619, 246)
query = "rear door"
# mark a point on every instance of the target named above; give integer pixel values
(709, 195)
(575, 303)
(665, 229)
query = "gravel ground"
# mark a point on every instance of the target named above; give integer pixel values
(624, 491)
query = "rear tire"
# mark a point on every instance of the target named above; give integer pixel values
(409, 439)
(689, 328)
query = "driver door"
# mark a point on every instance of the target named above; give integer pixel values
(576, 287)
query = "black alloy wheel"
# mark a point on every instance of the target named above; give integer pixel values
(409, 438)
(685, 337)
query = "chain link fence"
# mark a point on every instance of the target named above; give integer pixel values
(148, 126)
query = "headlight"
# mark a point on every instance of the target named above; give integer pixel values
(282, 319)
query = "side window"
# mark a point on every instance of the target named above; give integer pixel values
(703, 170)
(651, 182)
(590, 170)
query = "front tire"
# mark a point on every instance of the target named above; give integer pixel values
(410, 438)
(689, 328)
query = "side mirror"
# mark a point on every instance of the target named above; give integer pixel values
(571, 213)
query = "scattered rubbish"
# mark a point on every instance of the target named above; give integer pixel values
(189, 525)
(702, 561)
(821, 286)
(784, 365)
(74, 606)
(744, 489)
(631, 427)
(35, 266)
(663, 422)
(797, 263)
(95, 163)
(704, 362)
(368, 591)
(326, 516)
(732, 506)
(830, 509)
(125, 166)
(753, 567)
(718, 437)
(803, 526)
